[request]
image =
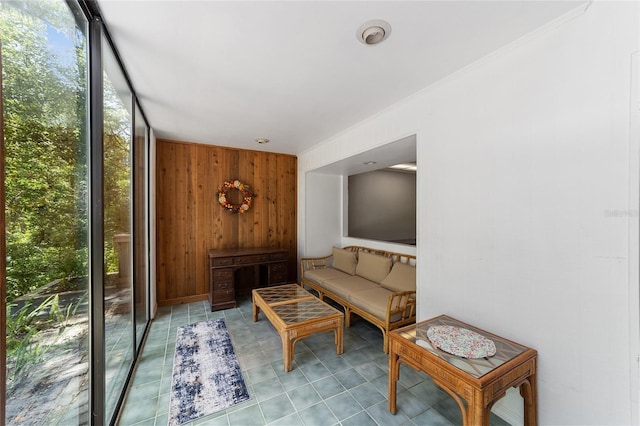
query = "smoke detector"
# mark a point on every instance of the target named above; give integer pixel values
(373, 32)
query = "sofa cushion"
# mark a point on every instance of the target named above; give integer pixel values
(343, 287)
(345, 260)
(373, 267)
(401, 278)
(373, 301)
(320, 275)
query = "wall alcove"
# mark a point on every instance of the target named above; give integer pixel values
(382, 205)
(361, 197)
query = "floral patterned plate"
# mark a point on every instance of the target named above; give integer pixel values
(461, 341)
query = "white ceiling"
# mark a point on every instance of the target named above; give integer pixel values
(397, 152)
(226, 73)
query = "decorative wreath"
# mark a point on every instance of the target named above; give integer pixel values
(247, 196)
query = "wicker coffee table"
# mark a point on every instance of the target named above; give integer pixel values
(295, 313)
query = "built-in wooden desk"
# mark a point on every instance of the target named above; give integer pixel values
(270, 265)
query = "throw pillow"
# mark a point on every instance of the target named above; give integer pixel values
(345, 260)
(401, 278)
(372, 266)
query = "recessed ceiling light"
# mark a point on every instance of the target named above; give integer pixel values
(373, 32)
(262, 140)
(405, 166)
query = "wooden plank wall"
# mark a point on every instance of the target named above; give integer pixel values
(190, 221)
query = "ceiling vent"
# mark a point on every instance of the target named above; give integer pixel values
(373, 32)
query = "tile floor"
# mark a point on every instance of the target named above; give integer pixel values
(322, 389)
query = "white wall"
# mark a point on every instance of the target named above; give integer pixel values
(323, 214)
(528, 205)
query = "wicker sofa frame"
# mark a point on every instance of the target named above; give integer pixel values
(401, 305)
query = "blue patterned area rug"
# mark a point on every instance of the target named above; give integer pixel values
(206, 372)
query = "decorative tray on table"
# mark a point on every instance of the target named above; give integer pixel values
(461, 341)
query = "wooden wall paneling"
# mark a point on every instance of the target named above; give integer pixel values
(272, 198)
(287, 223)
(191, 221)
(292, 203)
(166, 206)
(174, 233)
(175, 222)
(263, 181)
(163, 154)
(260, 165)
(229, 226)
(256, 220)
(245, 221)
(276, 203)
(169, 237)
(178, 283)
(206, 196)
(273, 205)
(217, 177)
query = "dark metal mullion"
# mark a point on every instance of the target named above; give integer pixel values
(145, 210)
(132, 223)
(147, 160)
(147, 220)
(96, 232)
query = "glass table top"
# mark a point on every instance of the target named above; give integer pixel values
(293, 304)
(505, 350)
(282, 293)
(303, 310)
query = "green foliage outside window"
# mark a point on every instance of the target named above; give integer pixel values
(44, 104)
(44, 101)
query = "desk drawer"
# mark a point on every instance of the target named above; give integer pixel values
(246, 260)
(223, 285)
(223, 261)
(278, 267)
(224, 274)
(278, 273)
(279, 278)
(220, 296)
(279, 256)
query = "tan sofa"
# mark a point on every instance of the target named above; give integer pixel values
(377, 285)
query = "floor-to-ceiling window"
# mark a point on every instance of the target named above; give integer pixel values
(45, 136)
(117, 192)
(140, 222)
(50, 103)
